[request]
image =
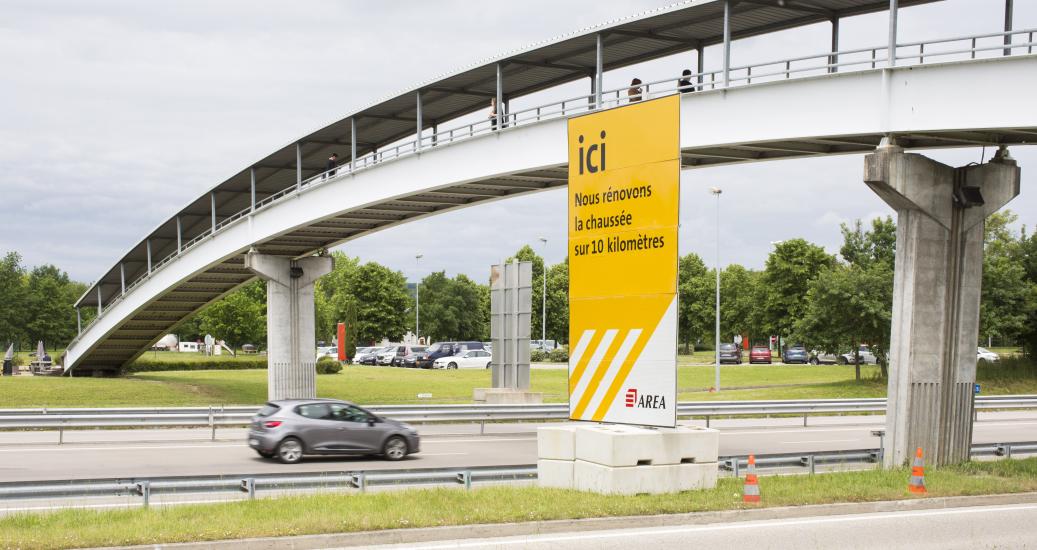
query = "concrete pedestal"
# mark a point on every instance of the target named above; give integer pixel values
(291, 363)
(939, 266)
(506, 396)
(612, 459)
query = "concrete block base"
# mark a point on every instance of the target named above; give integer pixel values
(506, 396)
(627, 460)
(555, 473)
(557, 442)
(634, 480)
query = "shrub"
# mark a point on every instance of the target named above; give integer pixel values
(143, 365)
(559, 355)
(327, 365)
(537, 356)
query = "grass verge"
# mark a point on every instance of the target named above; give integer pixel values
(335, 513)
(385, 385)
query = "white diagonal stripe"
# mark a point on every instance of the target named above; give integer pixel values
(610, 375)
(581, 346)
(599, 354)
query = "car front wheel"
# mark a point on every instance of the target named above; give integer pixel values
(452, 366)
(488, 365)
(289, 451)
(395, 448)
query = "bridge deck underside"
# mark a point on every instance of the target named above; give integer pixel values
(161, 316)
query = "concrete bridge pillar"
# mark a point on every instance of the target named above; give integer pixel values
(939, 267)
(291, 364)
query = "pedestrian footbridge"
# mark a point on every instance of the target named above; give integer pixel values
(435, 149)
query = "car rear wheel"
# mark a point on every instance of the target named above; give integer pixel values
(289, 451)
(452, 366)
(488, 365)
(395, 448)
(842, 361)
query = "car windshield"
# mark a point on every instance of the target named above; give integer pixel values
(798, 348)
(417, 349)
(727, 347)
(761, 350)
(983, 350)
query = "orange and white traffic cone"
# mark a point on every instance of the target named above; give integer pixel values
(917, 483)
(751, 491)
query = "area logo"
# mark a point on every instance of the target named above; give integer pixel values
(644, 401)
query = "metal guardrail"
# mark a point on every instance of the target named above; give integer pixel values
(250, 484)
(1021, 42)
(214, 417)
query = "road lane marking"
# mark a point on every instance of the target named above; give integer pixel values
(821, 441)
(757, 524)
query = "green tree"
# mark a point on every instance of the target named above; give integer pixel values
(454, 309)
(875, 246)
(1007, 296)
(376, 294)
(238, 318)
(1026, 253)
(740, 302)
(790, 269)
(557, 302)
(848, 305)
(13, 290)
(696, 299)
(49, 306)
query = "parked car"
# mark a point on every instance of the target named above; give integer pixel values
(388, 353)
(291, 428)
(407, 351)
(447, 349)
(370, 357)
(327, 351)
(865, 354)
(471, 359)
(795, 354)
(760, 354)
(985, 355)
(730, 353)
(413, 360)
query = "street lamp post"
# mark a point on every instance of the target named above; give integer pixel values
(716, 349)
(543, 295)
(417, 300)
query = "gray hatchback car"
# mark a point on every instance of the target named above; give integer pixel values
(292, 428)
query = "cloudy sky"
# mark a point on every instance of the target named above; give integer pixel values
(114, 114)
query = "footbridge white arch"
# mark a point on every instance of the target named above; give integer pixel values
(965, 91)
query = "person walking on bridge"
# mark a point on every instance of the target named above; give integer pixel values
(684, 85)
(332, 165)
(493, 113)
(634, 93)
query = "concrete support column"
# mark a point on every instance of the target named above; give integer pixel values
(291, 366)
(936, 292)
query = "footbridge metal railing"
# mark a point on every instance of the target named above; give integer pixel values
(960, 48)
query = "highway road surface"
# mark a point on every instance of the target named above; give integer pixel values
(971, 528)
(33, 456)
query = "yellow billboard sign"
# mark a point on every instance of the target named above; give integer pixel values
(624, 194)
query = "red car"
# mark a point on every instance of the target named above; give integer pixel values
(760, 354)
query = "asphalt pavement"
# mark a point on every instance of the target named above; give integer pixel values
(979, 527)
(86, 454)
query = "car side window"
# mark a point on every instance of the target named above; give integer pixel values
(314, 410)
(348, 413)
